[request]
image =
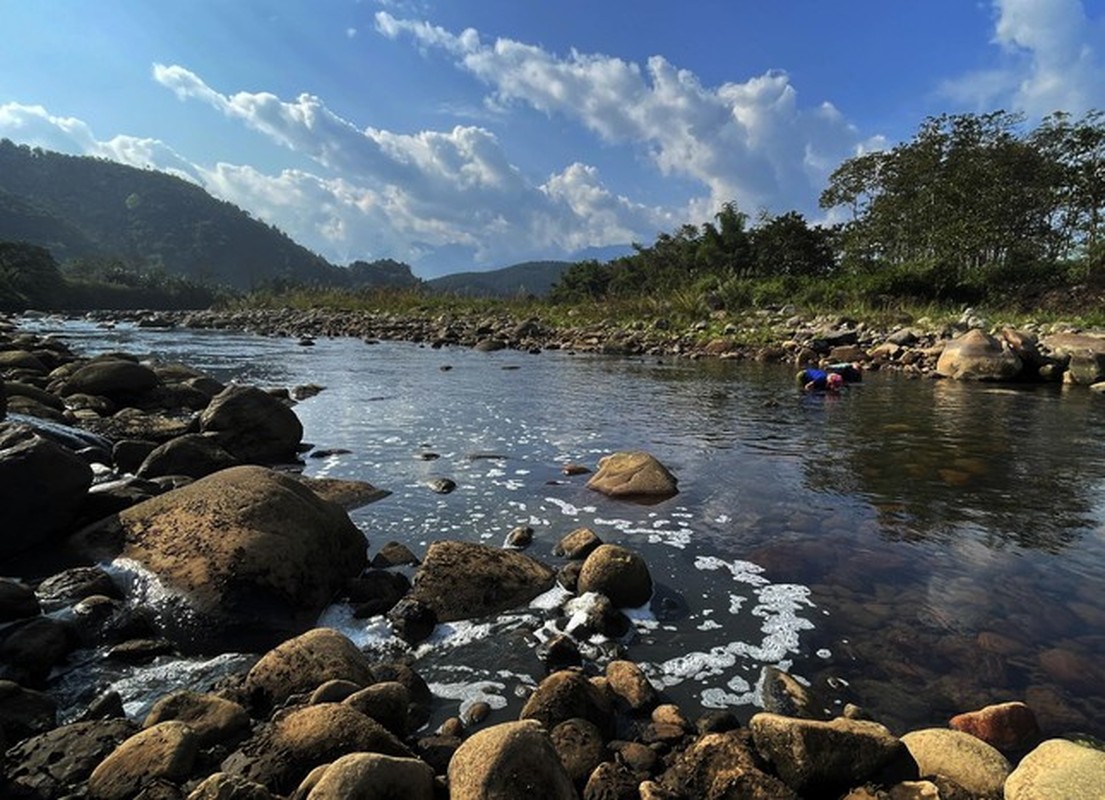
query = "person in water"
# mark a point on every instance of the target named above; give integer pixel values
(812, 379)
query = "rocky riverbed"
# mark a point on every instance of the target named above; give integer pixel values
(150, 509)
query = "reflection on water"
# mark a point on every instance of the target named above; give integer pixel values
(917, 547)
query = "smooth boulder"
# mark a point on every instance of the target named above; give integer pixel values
(303, 663)
(246, 556)
(116, 378)
(1058, 768)
(370, 776)
(967, 760)
(252, 425)
(978, 356)
(507, 761)
(633, 474)
(617, 572)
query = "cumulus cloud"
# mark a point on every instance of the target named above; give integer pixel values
(746, 141)
(1050, 60)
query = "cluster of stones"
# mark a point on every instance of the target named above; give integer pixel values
(247, 556)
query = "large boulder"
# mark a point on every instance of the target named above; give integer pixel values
(1005, 726)
(722, 765)
(164, 752)
(302, 664)
(42, 488)
(506, 761)
(619, 573)
(1058, 769)
(967, 760)
(568, 694)
(978, 356)
(252, 425)
(58, 762)
(246, 556)
(1082, 353)
(114, 377)
(634, 474)
(213, 719)
(370, 776)
(461, 580)
(193, 455)
(810, 754)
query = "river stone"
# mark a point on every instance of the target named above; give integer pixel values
(577, 544)
(633, 474)
(221, 786)
(978, 356)
(722, 765)
(508, 761)
(302, 664)
(619, 573)
(461, 580)
(75, 584)
(386, 702)
(115, 378)
(55, 763)
(810, 754)
(369, 776)
(45, 485)
(1058, 769)
(25, 712)
(17, 389)
(629, 683)
(1005, 726)
(165, 751)
(347, 494)
(17, 601)
(248, 555)
(252, 425)
(565, 695)
(579, 745)
(20, 359)
(213, 719)
(281, 753)
(967, 760)
(193, 454)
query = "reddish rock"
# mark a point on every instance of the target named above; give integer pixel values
(1006, 726)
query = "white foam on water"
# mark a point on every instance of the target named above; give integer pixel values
(708, 625)
(552, 599)
(142, 688)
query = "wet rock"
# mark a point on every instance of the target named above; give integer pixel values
(578, 544)
(221, 786)
(20, 359)
(335, 691)
(303, 663)
(721, 765)
(512, 759)
(633, 474)
(520, 537)
(108, 705)
(166, 751)
(970, 762)
(25, 712)
(575, 469)
(619, 573)
(214, 720)
(580, 746)
(387, 702)
(30, 651)
(629, 684)
(194, 455)
(1005, 726)
(45, 485)
(418, 712)
(56, 763)
(347, 494)
(441, 485)
(1057, 768)
(141, 651)
(565, 695)
(17, 601)
(810, 754)
(252, 425)
(412, 620)
(560, 652)
(978, 356)
(610, 781)
(568, 575)
(282, 752)
(75, 584)
(250, 555)
(376, 592)
(461, 580)
(119, 379)
(394, 554)
(782, 694)
(128, 454)
(370, 776)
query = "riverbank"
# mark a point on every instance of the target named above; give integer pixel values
(644, 746)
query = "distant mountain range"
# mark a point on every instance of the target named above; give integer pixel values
(83, 208)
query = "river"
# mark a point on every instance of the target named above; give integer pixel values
(917, 547)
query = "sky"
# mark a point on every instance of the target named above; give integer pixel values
(458, 135)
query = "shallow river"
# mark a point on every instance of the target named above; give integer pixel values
(917, 547)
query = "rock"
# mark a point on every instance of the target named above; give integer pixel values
(56, 763)
(565, 695)
(578, 544)
(418, 712)
(213, 719)
(376, 592)
(633, 474)
(628, 683)
(282, 752)
(782, 694)
(412, 620)
(811, 754)
(1082, 353)
(461, 580)
(333, 691)
(610, 781)
(394, 554)
(520, 537)
(970, 762)
(441, 485)
(75, 584)
(302, 664)
(247, 555)
(20, 359)
(17, 601)
(25, 712)
(165, 751)
(509, 760)
(45, 485)
(31, 650)
(221, 786)
(559, 652)
(720, 765)
(128, 454)
(580, 746)
(386, 702)
(618, 573)
(1058, 769)
(978, 356)
(193, 454)
(370, 776)
(252, 425)
(1006, 726)
(119, 379)
(141, 651)
(347, 494)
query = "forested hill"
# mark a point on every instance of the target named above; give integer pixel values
(529, 278)
(88, 208)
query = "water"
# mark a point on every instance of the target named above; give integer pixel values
(920, 548)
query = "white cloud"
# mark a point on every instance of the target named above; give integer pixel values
(1050, 61)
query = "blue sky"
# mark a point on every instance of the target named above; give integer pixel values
(473, 134)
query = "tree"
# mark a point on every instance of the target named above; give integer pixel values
(29, 278)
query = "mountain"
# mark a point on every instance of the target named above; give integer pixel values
(530, 277)
(84, 208)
